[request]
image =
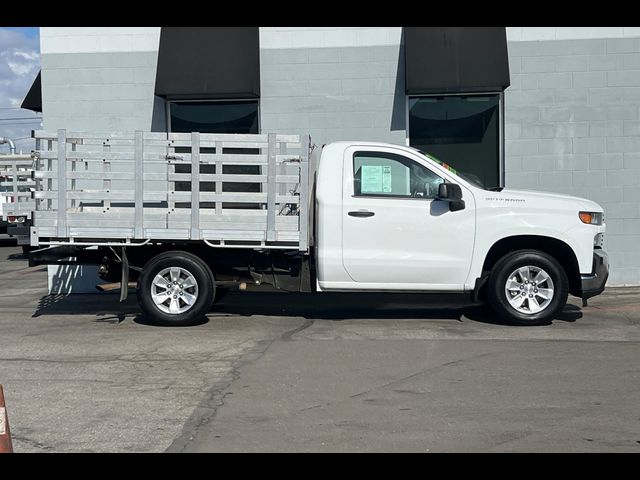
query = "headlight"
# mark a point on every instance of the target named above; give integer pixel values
(591, 218)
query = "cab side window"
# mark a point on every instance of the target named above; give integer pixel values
(388, 174)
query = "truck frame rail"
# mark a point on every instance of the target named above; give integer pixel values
(127, 188)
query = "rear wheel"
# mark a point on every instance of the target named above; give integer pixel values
(528, 287)
(176, 288)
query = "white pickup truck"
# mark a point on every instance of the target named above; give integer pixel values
(397, 219)
(380, 218)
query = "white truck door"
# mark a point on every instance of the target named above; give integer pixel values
(396, 235)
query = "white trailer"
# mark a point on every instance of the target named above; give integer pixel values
(16, 186)
(187, 216)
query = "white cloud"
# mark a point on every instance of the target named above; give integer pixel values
(20, 69)
(28, 55)
(19, 65)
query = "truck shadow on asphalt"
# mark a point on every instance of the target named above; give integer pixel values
(7, 241)
(349, 306)
(328, 306)
(12, 242)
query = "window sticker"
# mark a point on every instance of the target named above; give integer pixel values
(386, 179)
(372, 179)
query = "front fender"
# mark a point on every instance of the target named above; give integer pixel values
(499, 226)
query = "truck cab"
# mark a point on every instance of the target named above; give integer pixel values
(390, 218)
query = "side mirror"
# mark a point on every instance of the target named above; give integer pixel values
(452, 193)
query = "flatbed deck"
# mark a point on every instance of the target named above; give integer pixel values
(227, 190)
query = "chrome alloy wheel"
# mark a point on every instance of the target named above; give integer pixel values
(174, 290)
(529, 289)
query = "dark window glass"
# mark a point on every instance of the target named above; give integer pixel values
(462, 131)
(215, 117)
(229, 116)
(387, 174)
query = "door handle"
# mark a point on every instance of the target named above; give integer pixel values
(361, 214)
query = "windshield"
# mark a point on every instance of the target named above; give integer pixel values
(469, 177)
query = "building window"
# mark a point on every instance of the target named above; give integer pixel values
(461, 130)
(225, 116)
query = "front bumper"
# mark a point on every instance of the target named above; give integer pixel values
(593, 283)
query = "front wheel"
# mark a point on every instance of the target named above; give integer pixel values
(175, 288)
(528, 287)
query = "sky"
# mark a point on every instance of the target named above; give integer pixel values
(19, 65)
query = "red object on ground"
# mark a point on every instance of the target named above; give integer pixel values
(5, 432)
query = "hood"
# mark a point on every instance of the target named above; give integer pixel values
(542, 198)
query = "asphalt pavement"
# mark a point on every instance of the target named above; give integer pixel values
(299, 372)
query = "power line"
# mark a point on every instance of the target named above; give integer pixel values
(21, 118)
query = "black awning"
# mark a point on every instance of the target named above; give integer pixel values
(33, 99)
(208, 62)
(456, 59)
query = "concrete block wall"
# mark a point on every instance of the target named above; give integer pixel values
(333, 83)
(98, 78)
(573, 126)
(572, 111)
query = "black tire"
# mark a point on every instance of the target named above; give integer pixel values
(197, 268)
(497, 296)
